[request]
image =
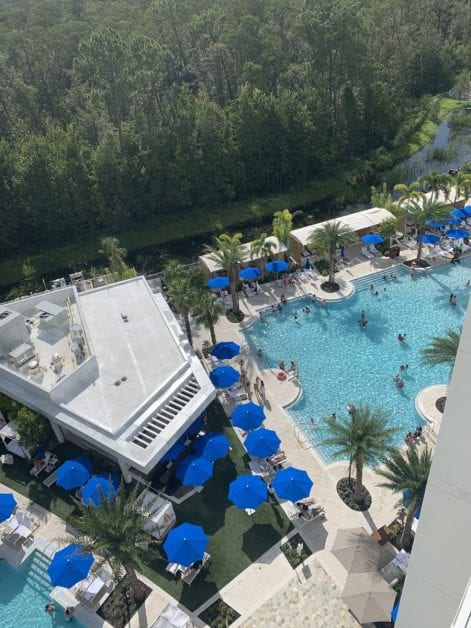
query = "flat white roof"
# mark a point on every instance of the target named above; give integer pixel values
(213, 266)
(368, 218)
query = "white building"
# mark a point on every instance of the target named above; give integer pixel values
(436, 593)
(111, 368)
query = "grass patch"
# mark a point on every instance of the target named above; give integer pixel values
(219, 615)
(289, 549)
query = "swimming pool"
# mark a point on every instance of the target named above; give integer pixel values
(338, 363)
(25, 592)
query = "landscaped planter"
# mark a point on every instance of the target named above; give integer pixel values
(289, 549)
(219, 615)
(120, 606)
(346, 491)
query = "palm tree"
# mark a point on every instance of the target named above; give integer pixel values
(408, 192)
(228, 252)
(420, 211)
(109, 247)
(407, 473)
(365, 437)
(327, 238)
(183, 296)
(119, 531)
(388, 229)
(208, 312)
(283, 225)
(462, 185)
(435, 182)
(442, 349)
(262, 248)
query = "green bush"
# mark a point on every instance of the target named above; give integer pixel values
(289, 549)
(219, 615)
(322, 266)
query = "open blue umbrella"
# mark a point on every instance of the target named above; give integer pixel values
(434, 224)
(428, 238)
(99, 487)
(74, 473)
(250, 274)
(394, 612)
(218, 283)
(225, 350)
(405, 498)
(69, 566)
(277, 266)
(292, 484)
(248, 416)
(262, 443)
(186, 544)
(194, 471)
(7, 505)
(372, 238)
(224, 376)
(453, 221)
(458, 213)
(212, 446)
(175, 450)
(456, 234)
(467, 210)
(247, 491)
(194, 428)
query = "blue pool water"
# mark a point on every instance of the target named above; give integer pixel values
(338, 363)
(24, 593)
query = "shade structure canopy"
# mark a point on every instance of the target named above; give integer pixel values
(218, 283)
(428, 238)
(100, 487)
(458, 213)
(292, 484)
(248, 416)
(225, 350)
(224, 376)
(277, 266)
(262, 443)
(369, 597)
(69, 566)
(456, 234)
(74, 473)
(372, 238)
(212, 446)
(358, 552)
(194, 470)
(250, 274)
(185, 544)
(247, 491)
(175, 450)
(7, 505)
(434, 224)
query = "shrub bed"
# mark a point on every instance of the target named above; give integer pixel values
(289, 549)
(219, 615)
(346, 491)
(121, 605)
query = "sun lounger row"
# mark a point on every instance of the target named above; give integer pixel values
(19, 528)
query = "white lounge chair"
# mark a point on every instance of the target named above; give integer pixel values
(374, 250)
(368, 254)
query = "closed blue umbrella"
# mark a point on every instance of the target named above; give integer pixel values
(224, 376)
(225, 350)
(250, 274)
(456, 234)
(247, 491)
(69, 566)
(212, 446)
(372, 238)
(175, 450)
(194, 471)
(74, 473)
(277, 266)
(458, 213)
(7, 505)
(218, 283)
(248, 416)
(100, 487)
(434, 224)
(428, 238)
(292, 484)
(394, 612)
(262, 443)
(186, 544)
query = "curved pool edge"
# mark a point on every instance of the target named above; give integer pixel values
(425, 401)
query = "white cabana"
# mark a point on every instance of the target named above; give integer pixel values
(10, 440)
(211, 266)
(172, 617)
(163, 514)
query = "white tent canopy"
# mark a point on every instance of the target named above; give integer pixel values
(172, 617)
(358, 221)
(10, 440)
(163, 514)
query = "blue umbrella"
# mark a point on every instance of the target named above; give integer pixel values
(293, 484)
(456, 234)
(247, 491)
(308, 264)
(7, 505)
(225, 350)
(175, 450)
(428, 238)
(405, 497)
(458, 213)
(194, 471)
(69, 566)
(194, 428)
(394, 612)
(248, 416)
(212, 445)
(218, 283)
(186, 544)
(99, 487)
(276, 267)
(74, 473)
(453, 221)
(467, 210)
(372, 238)
(434, 224)
(250, 273)
(224, 376)
(262, 443)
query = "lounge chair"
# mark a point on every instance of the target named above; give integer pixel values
(188, 574)
(441, 253)
(374, 250)
(368, 254)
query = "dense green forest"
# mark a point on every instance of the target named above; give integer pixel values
(113, 112)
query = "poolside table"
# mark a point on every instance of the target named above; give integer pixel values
(381, 535)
